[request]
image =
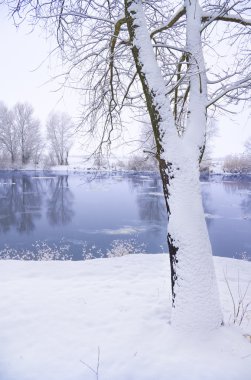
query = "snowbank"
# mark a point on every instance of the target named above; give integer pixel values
(108, 319)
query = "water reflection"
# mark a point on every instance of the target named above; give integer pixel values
(229, 227)
(151, 205)
(232, 187)
(60, 202)
(98, 209)
(208, 204)
(20, 203)
(150, 199)
(241, 194)
(246, 203)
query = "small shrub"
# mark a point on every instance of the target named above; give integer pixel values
(124, 247)
(142, 163)
(41, 251)
(241, 305)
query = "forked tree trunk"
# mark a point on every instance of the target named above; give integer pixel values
(194, 289)
(195, 294)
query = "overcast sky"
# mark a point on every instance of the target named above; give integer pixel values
(25, 75)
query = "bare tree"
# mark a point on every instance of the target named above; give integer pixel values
(38, 151)
(27, 129)
(150, 55)
(60, 131)
(211, 133)
(8, 133)
(148, 145)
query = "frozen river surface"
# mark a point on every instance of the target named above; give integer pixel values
(47, 215)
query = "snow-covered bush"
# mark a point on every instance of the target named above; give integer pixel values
(45, 252)
(241, 304)
(141, 163)
(124, 247)
(91, 252)
(117, 248)
(41, 251)
(243, 256)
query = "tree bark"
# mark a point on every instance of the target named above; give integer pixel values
(12, 158)
(194, 289)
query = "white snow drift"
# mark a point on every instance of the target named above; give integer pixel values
(108, 319)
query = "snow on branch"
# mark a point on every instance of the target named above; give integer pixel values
(206, 17)
(222, 79)
(170, 47)
(181, 12)
(243, 85)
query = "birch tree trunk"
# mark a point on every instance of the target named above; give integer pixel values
(194, 289)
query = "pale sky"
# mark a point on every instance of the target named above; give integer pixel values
(23, 77)
(26, 74)
(233, 131)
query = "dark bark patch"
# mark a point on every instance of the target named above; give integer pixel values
(173, 262)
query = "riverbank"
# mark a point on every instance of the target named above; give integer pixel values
(108, 319)
(216, 174)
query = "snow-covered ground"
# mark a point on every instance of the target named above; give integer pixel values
(108, 319)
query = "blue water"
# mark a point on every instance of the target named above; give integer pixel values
(81, 215)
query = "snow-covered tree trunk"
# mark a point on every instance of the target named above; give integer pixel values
(195, 296)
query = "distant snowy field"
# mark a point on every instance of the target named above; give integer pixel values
(108, 319)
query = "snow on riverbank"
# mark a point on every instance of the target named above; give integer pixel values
(108, 319)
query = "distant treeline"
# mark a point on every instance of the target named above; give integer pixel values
(21, 140)
(238, 163)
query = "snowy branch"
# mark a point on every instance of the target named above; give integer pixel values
(244, 84)
(181, 12)
(227, 18)
(170, 47)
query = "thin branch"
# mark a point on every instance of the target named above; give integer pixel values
(209, 18)
(170, 47)
(181, 12)
(244, 83)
